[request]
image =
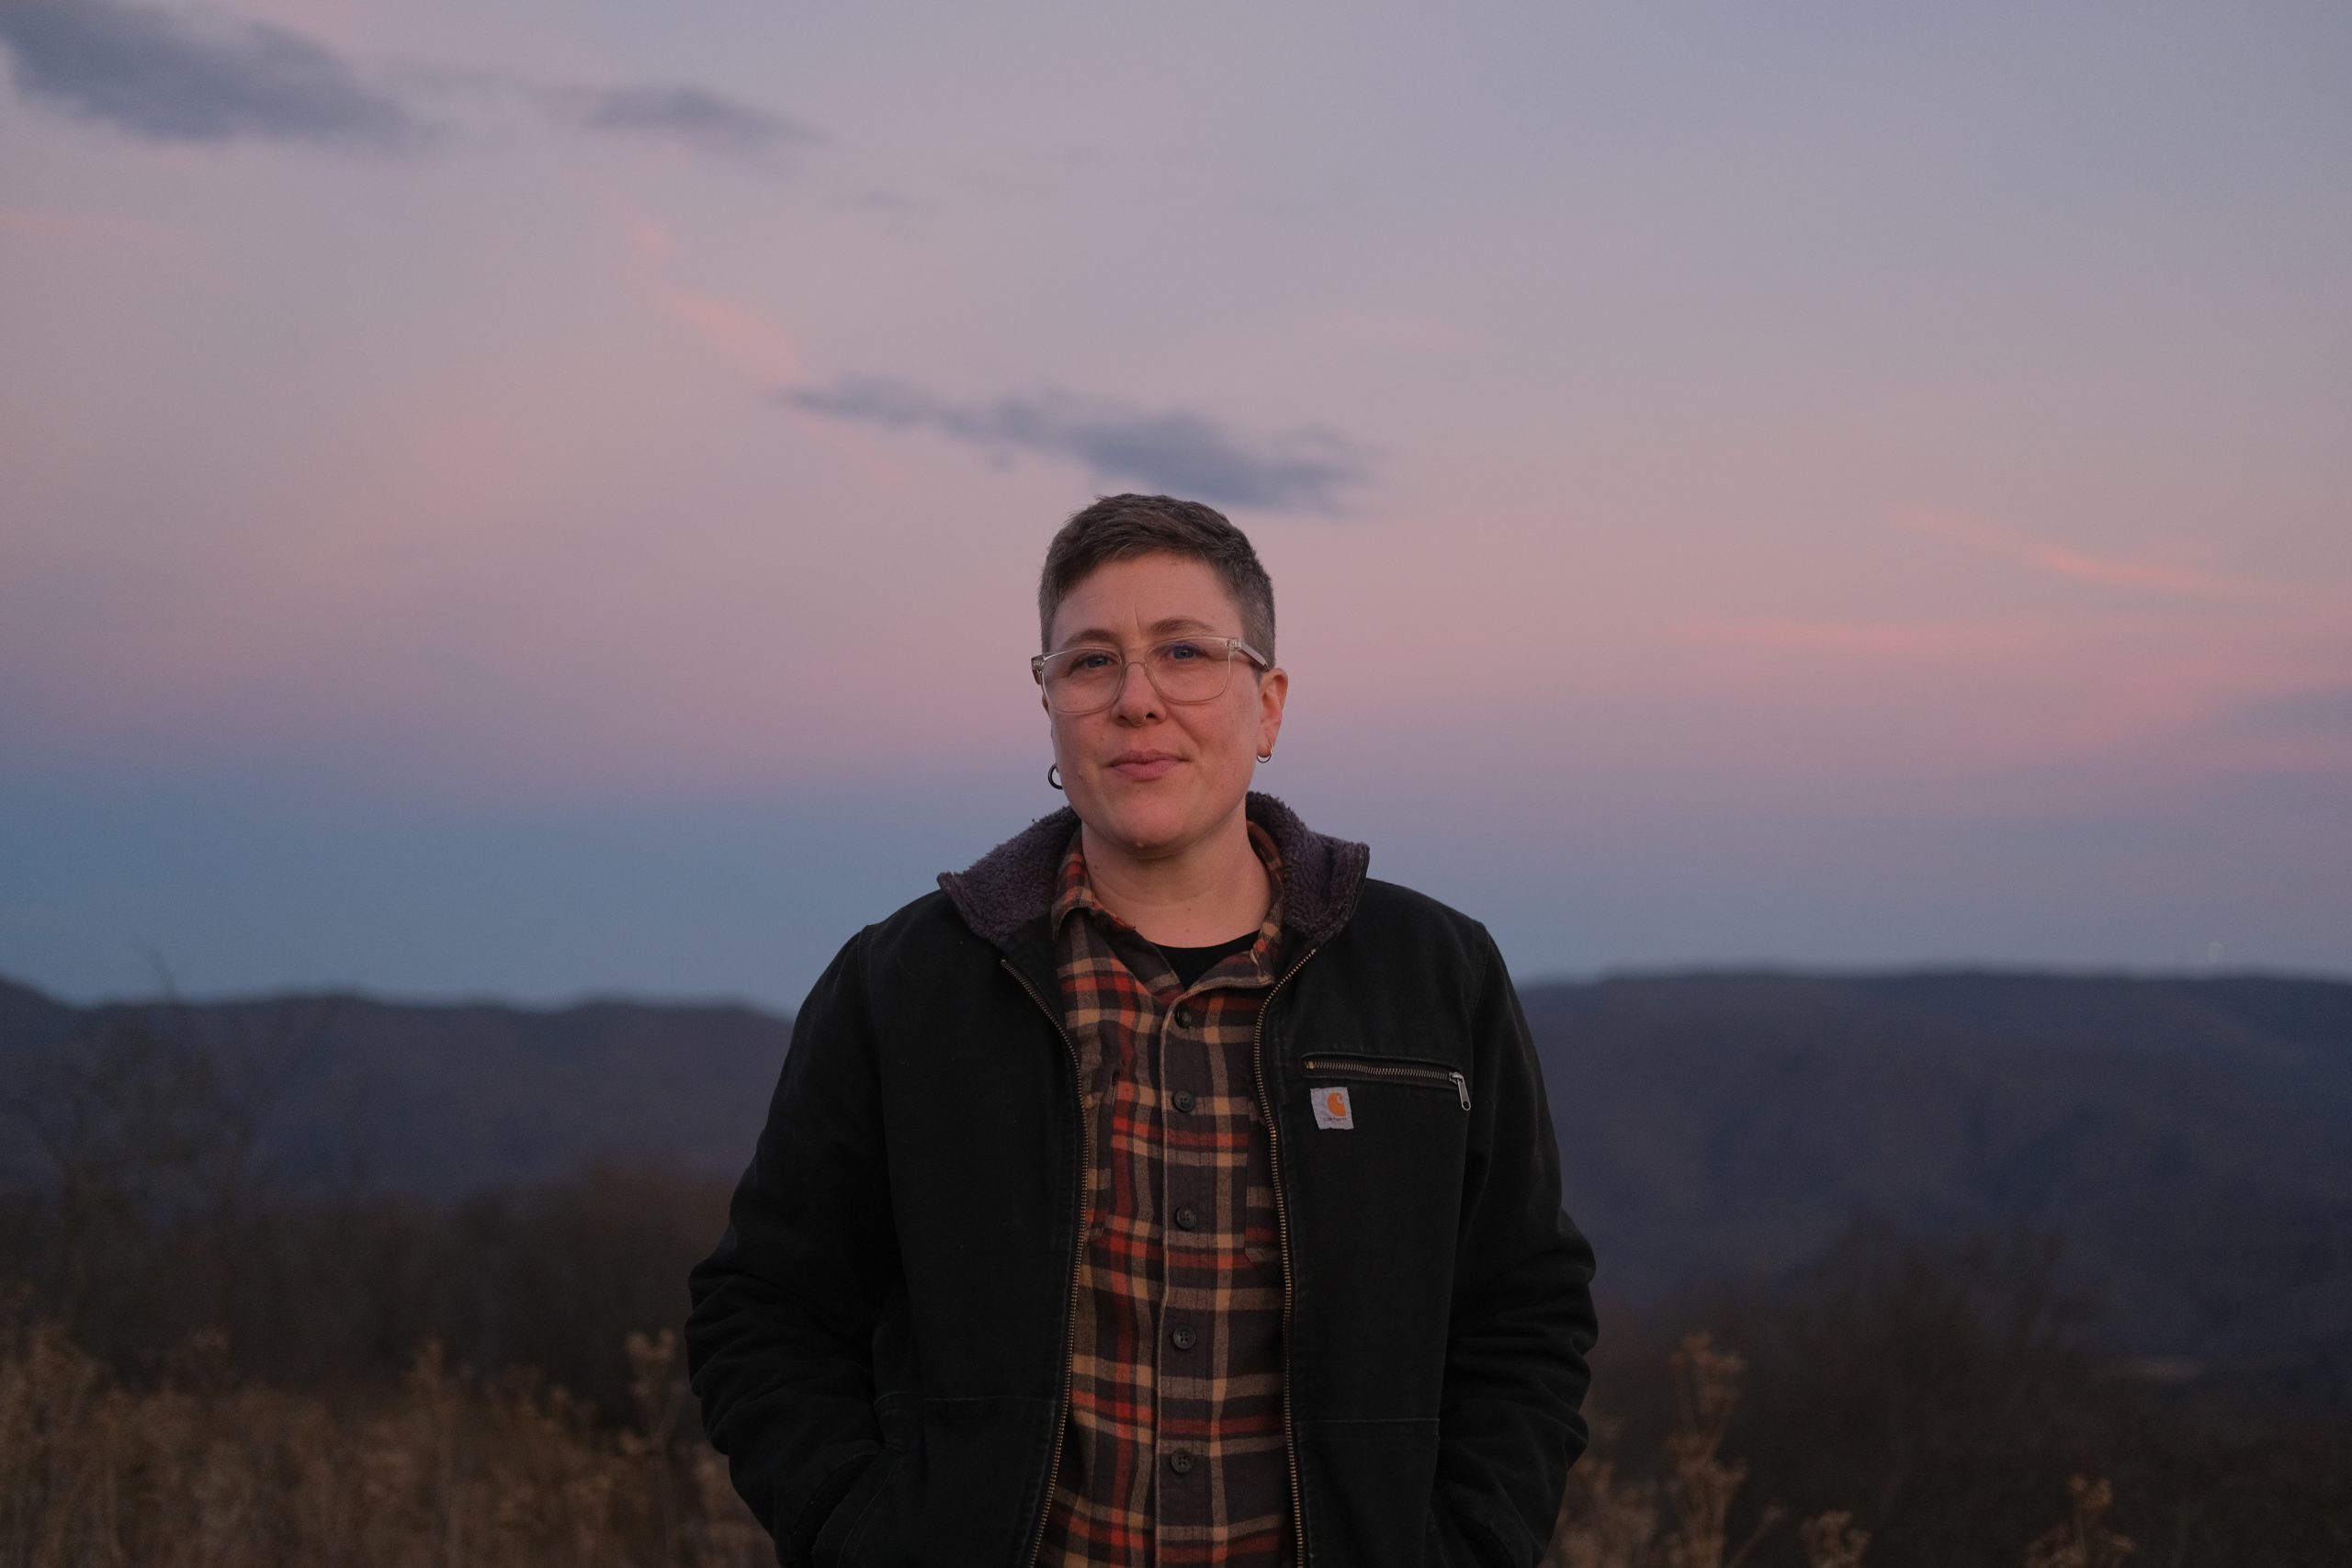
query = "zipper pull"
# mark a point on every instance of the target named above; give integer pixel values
(1462, 1088)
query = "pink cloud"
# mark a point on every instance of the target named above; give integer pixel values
(82, 228)
(1902, 639)
(2112, 571)
(2000, 695)
(651, 239)
(737, 333)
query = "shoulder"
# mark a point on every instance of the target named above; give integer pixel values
(1400, 941)
(913, 938)
(1392, 911)
(916, 960)
(919, 936)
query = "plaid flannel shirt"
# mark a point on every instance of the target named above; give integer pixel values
(1173, 1451)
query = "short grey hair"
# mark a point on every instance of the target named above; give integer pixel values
(1118, 526)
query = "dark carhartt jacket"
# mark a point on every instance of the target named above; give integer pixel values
(880, 1341)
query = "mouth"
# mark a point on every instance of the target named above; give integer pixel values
(1141, 765)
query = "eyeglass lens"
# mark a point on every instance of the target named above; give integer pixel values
(1184, 669)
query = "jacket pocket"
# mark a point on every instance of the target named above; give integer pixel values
(1369, 1486)
(837, 1544)
(1388, 1070)
(842, 1541)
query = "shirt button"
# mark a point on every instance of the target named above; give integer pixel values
(1183, 1017)
(1181, 1461)
(1183, 1099)
(1187, 1217)
(1183, 1337)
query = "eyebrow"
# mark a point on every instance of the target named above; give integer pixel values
(1158, 628)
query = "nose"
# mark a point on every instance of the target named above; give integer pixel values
(1138, 698)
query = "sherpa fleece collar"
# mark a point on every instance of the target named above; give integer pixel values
(1014, 882)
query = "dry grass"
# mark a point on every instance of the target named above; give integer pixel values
(200, 1470)
(444, 1471)
(2084, 1541)
(1683, 1519)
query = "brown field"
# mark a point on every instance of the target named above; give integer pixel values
(447, 1470)
(444, 1469)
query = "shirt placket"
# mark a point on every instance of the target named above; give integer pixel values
(1179, 1046)
(1182, 1342)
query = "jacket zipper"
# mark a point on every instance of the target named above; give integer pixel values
(1383, 1068)
(1077, 1255)
(1282, 1231)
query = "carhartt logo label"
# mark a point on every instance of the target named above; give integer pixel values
(1331, 1108)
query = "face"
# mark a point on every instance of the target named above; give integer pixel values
(1157, 777)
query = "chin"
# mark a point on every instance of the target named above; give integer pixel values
(1147, 819)
(1150, 827)
(1147, 823)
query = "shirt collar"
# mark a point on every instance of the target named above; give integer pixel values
(1075, 890)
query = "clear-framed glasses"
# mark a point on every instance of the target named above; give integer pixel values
(1181, 670)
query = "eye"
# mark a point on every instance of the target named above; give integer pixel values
(1184, 652)
(1090, 659)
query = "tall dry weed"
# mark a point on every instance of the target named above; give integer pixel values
(2083, 1540)
(1609, 1521)
(1832, 1541)
(1702, 1482)
(55, 1407)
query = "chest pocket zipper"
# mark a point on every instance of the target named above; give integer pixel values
(1389, 1069)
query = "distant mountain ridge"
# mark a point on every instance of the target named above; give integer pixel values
(442, 1098)
(2186, 1133)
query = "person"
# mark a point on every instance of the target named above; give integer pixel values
(1162, 1189)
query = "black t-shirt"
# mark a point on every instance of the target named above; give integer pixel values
(1191, 963)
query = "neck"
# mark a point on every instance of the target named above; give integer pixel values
(1208, 891)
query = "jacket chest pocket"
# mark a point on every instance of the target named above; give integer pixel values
(1321, 1066)
(1376, 1207)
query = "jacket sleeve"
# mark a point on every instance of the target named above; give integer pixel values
(1511, 1419)
(779, 1337)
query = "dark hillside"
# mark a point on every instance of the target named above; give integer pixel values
(2182, 1133)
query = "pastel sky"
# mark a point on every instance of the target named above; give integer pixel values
(544, 500)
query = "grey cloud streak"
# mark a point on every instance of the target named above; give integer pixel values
(2317, 712)
(695, 117)
(167, 77)
(159, 76)
(1176, 452)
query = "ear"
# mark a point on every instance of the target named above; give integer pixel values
(1273, 690)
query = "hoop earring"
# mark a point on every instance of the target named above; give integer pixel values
(1267, 757)
(1053, 774)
